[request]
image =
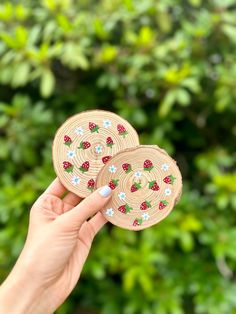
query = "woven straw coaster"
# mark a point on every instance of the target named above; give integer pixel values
(147, 184)
(84, 143)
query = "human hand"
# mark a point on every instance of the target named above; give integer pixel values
(57, 245)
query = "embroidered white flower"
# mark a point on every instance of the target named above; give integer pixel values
(145, 216)
(112, 169)
(122, 196)
(79, 130)
(137, 174)
(106, 123)
(167, 192)
(164, 167)
(71, 154)
(98, 149)
(75, 180)
(110, 212)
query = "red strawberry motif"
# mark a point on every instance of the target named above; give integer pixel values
(84, 145)
(67, 140)
(135, 187)
(113, 183)
(169, 179)
(127, 167)
(121, 130)
(68, 167)
(153, 185)
(106, 158)
(137, 222)
(163, 204)
(93, 127)
(84, 167)
(91, 185)
(145, 205)
(109, 142)
(147, 165)
(125, 209)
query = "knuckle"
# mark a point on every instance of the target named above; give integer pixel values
(48, 202)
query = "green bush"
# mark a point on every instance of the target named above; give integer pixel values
(167, 66)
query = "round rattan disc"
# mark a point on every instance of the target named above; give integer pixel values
(84, 143)
(146, 185)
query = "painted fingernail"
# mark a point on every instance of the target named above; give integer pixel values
(105, 191)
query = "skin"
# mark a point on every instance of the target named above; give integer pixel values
(58, 242)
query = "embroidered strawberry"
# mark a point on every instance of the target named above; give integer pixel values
(169, 179)
(84, 145)
(147, 165)
(121, 130)
(84, 167)
(105, 159)
(109, 142)
(137, 221)
(153, 185)
(113, 183)
(127, 167)
(67, 140)
(135, 187)
(93, 127)
(68, 167)
(145, 205)
(91, 185)
(163, 204)
(125, 209)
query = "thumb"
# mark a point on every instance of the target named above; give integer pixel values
(85, 209)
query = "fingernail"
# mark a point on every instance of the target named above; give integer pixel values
(105, 191)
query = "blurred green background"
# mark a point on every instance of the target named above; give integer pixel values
(167, 66)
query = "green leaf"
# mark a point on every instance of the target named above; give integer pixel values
(108, 53)
(192, 84)
(195, 3)
(21, 74)
(50, 4)
(73, 57)
(167, 103)
(186, 241)
(8, 40)
(99, 28)
(21, 36)
(146, 36)
(63, 22)
(130, 277)
(47, 83)
(183, 97)
(230, 31)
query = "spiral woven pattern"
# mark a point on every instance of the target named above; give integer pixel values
(146, 184)
(84, 143)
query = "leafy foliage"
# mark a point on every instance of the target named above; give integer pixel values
(167, 66)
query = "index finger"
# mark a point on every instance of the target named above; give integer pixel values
(56, 188)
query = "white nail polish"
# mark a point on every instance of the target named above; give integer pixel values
(105, 191)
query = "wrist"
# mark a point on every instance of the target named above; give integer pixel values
(21, 294)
